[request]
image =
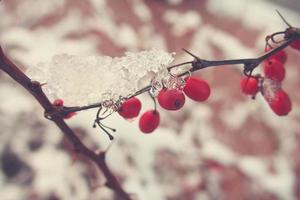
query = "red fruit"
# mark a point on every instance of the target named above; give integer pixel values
(149, 121)
(196, 89)
(280, 103)
(296, 44)
(68, 116)
(171, 99)
(274, 70)
(130, 108)
(249, 85)
(58, 102)
(281, 56)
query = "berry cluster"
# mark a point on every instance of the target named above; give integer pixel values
(270, 85)
(170, 98)
(171, 92)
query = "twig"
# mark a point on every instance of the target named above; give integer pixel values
(56, 115)
(249, 65)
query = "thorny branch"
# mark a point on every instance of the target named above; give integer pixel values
(249, 64)
(56, 114)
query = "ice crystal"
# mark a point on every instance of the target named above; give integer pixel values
(81, 80)
(269, 88)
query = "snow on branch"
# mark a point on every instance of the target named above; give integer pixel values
(88, 79)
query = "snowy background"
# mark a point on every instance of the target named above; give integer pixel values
(229, 147)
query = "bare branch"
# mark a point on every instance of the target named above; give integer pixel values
(56, 115)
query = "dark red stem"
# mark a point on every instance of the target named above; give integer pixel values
(54, 114)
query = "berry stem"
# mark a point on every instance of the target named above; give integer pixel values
(101, 125)
(154, 101)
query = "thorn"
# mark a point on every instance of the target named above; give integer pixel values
(283, 19)
(42, 84)
(191, 54)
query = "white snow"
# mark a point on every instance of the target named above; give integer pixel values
(182, 23)
(142, 11)
(83, 80)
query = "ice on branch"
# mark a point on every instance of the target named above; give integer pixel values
(82, 80)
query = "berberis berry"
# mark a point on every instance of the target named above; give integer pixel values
(280, 103)
(196, 89)
(130, 108)
(296, 44)
(58, 102)
(249, 85)
(274, 70)
(149, 121)
(171, 99)
(281, 56)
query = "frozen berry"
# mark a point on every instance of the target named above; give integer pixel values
(149, 121)
(296, 44)
(196, 89)
(281, 56)
(130, 108)
(249, 85)
(274, 70)
(68, 116)
(171, 99)
(280, 103)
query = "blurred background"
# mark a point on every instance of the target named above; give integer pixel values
(230, 147)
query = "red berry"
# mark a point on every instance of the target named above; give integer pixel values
(196, 89)
(281, 56)
(296, 44)
(149, 121)
(274, 70)
(280, 103)
(171, 99)
(58, 102)
(130, 108)
(249, 85)
(68, 116)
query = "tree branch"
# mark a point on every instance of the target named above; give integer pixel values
(54, 114)
(249, 64)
